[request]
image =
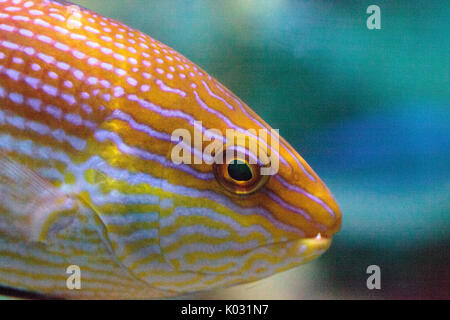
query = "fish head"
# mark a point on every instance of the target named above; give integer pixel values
(247, 204)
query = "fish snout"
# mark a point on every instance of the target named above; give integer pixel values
(309, 207)
(323, 210)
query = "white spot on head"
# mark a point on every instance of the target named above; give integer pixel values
(35, 12)
(12, 9)
(21, 18)
(105, 38)
(106, 50)
(34, 103)
(76, 36)
(78, 74)
(10, 45)
(46, 58)
(63, 66)
(54, 111)
(92, 44)
(52, 75)
(92, 80)
(57, 16)
(44, 38)
(106, 66)
(61, 46)
(73, 118)
(61, 30)
(26, 33)
(92, 61)
(13, 74)
(16, 97)
(118, 92)
(132, 81)
(17, 60)
(7, 28)
(79, 55)
(68, 98)
(42, 23)
(119, 57)
(119, 45)
(105, 83)
(32, 82)
(51, 90)
(86, 108)
(90, 29)
(29, 51)
(120, 72)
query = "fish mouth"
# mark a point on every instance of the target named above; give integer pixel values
(294, 252)
(319, 242)
(288, 254)
(305, 249)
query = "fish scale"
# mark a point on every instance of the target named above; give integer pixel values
(88, 105)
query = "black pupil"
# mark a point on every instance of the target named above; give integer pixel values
(239, 170)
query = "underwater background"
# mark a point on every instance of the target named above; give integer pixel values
(369, 110)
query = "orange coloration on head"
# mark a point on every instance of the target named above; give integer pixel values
(91, 67)
(87, 86)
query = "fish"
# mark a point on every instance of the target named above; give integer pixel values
(93, 204)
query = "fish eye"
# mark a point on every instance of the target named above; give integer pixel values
(239, 175)
(239, 170)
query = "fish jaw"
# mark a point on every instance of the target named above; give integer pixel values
(296, 253)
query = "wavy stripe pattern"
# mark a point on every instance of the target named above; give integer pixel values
(90, 104)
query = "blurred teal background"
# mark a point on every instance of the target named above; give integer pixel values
(368, 109)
